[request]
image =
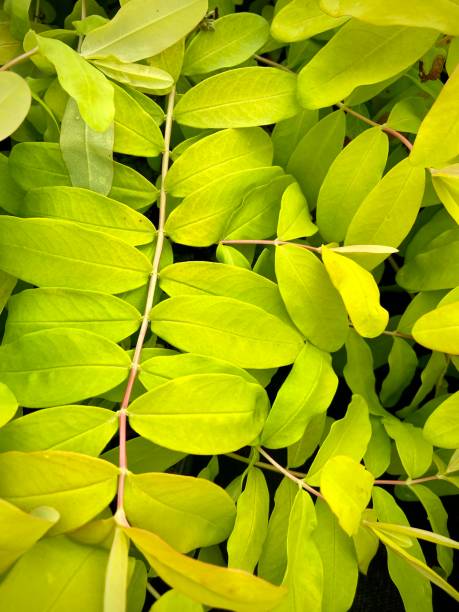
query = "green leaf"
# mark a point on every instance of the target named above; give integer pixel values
(217, 155)
(58, 573)
(414, 450)
(51, 252)
(232, 40)
(287, 134)
(242, 97)
(186, 512)
(301, 19)
(81, 429)
(351, 59)
(226, 328)
(87, 154)
(144, 456)
(201, 219)
(90, 210)
(351, 177)
(446, 185)
(15, 102)
(144, 78)
(306, 392)
(298, 452)
(439, 329)
(366, 543)
(273, 559)
(388, 212)
(214, 586)
(313, 155)
(340, 569)
(173, 600)
(90, 89)
(415, 591)
(442, 426)
(142, 28)
(245, 542)
(346, 486)
(443, 16)
(348, 436)
(437, 141)
(407, 115)
(403, 362)
(294, 217)
(40, 164)
(77, 486)
(310, 298)
(304, 574)
(58, 366)
(8, 405)
(18, 10)
(359, 292)
(170, 60)
(116, 577)
(202, 413)
(438, 519)
(10, 193)
(35, 309)
(136, 131)
(21, 531)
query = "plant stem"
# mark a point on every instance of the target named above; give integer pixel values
(273, 243)
(37, 10)
(288, 474)
(146, 315)
(153, 591)
(84, 12)
(261, 464)
(268, 62)
(406, 482)
(18, 59)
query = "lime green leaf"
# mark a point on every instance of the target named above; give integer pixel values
(214, 586)
(116, 577)
(142, 28)
(407, 115)
(287, 134)
(20, 530)
(439, 329)
(414, 450)
(348, 436)
(442, 426)
(346, 486)
(215, 156)
(311, 300)
(434, 268)
(228, 329)
(246, 540)
(443, 16)
(242, 97)
(15, 102)
(91, 90)
(144, 456)
(304, 574)
(313, 155)
(201, 219)
(51, 252)
(187, 512)
(170, 60)
(438, 519)
(58, 573)
(351, 177)
(145, 78)
(307, 391)
(414, 590)
(8, 405)
(87, 154)
(202, 413)
(437, 140)
(81, 429)
(232, 40)
(359, 292)
(351, 59)
(10, 193)
(301, 19)
(388, 212)
(56, 366)
(366, 543)
(77, 486)
(403, 362)
(91, 210)
(35, 309)
(173, 600)
(294, 217)
(18, 10)
(298, 452)
(446, 184)
(340, 569)
(273, 560)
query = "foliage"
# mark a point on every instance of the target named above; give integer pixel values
(227, 227)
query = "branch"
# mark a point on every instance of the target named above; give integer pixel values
(120, 515)
(18, 59)
(288, 474)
